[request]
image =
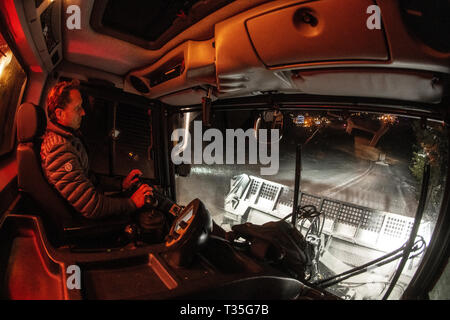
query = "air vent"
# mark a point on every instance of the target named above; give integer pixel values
(166, 72)
(139, 85)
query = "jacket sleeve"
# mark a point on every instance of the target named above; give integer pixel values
(64, 171)
(106, 183)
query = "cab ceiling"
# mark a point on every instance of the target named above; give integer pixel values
(107, 43)
(234, 49)
(151, 24)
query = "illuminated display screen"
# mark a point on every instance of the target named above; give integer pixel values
(185, 217)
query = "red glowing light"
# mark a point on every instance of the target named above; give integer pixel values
(36, 69)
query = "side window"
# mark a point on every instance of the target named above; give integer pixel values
(118, 129)
(12, 83)
(134, 143)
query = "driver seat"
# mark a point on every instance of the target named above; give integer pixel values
(62, 223)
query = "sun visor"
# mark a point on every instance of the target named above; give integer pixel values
(387, 84)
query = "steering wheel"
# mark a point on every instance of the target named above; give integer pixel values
(189, 232)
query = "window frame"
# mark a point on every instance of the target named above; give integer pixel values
(4, 32)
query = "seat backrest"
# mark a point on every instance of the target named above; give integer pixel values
(55, 213)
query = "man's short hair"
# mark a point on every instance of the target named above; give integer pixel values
(59, 96)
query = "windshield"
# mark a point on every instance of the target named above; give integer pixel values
(361, 171)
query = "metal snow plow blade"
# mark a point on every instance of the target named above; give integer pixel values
(256, 200)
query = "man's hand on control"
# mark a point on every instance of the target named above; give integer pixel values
(131, 179)
(139, 196)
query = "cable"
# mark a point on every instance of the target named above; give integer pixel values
(419, 245)
(312, 236)
(303, 213)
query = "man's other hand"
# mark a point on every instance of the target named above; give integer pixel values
(139, 196)
(131, 179)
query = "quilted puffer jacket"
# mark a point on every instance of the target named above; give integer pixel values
(65, 164)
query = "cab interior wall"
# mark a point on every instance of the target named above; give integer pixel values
(20, 234)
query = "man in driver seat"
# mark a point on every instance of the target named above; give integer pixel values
(65, 160)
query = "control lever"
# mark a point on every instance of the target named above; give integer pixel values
(158, 201)
(162, 203)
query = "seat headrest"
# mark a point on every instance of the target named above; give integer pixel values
(31, 122)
